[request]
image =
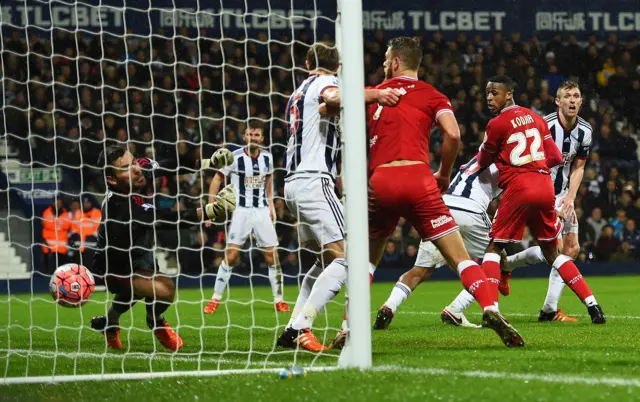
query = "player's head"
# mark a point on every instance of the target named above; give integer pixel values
(499, 93)
(254, 133)
(121, 170)
(323, 57)
(403, 54)
(569, 98)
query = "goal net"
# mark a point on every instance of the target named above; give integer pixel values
(170, 81)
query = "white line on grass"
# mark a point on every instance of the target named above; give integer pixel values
(546, 378)
(507, 314)
(135, 356)
(549, 378)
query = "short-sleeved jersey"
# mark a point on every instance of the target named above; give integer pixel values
(473, 188)
(402, 132)
(516, 139)
(574, 144)
(313, 140)
(249, 177)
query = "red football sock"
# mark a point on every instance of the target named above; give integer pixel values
(475, 281)
(491, 268)
(572, 276)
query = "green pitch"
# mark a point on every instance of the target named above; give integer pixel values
(417, 358)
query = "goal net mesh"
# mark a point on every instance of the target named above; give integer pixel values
(169, 80)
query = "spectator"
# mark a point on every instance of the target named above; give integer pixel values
(587, 233)
(618, 223)
(625, 254)
(56, 224)
(607, 244)
(597, 222)
(409, 258)
(391, 257)
(631, 234)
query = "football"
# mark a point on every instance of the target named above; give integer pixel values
(71, 285)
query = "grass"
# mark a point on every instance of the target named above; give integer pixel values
(418, 357)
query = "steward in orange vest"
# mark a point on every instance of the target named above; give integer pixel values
(56, 224)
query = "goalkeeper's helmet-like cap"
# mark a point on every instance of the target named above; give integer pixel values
(323, 56)
(408, 50)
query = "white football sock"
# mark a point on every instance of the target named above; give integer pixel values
(275, 277)
(327, 286)
(529, 256)
(461, 302)
(398, 295)
(305, 288)
(222, 278)
(556, 286)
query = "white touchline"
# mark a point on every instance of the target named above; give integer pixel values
(550, 378)
(508, 314)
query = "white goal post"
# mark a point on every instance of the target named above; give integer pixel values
(166, 78)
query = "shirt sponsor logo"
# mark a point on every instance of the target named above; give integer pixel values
(253, 182)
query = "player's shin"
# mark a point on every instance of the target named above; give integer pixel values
(121, 304)
(327, 286)
(155, 309)
(222, 278)
(491, 268)
(476, 282)
(461, 302)
(530, 256)
(556, 286)
(305, 289)
(275, 278)
(573, 278)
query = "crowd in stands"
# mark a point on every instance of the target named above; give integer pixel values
(67, 95)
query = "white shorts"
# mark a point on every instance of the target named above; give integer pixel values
(474, 228)
(571, 225)
(314, 203)
(245, 221)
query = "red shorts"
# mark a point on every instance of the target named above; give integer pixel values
(410, 192)
(528, 200)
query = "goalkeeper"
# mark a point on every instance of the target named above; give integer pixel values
(126, 238)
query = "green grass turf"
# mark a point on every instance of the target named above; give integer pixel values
(242, 334)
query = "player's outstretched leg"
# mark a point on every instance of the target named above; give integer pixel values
(475, 281)
(326, 287)
(400, 292)
(275, 278)
(574, 279)
(232, 254)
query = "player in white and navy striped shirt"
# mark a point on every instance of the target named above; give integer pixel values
(251, 175)
(573, 136)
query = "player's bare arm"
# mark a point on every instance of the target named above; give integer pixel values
(331, 99)
(450, 145)
(575, 178)
(214, 187)
(272, 208)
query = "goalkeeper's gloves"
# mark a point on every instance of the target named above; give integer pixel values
(221, 158)
(224, 203)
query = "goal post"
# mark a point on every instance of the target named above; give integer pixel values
(87, 74)
(358, 352)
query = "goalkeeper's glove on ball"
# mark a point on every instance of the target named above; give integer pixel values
(224, 203)
(221, 158)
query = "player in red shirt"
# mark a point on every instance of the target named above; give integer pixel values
(401, 182)
(519, 142)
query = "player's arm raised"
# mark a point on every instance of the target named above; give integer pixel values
(450, 146)
(331, 99)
